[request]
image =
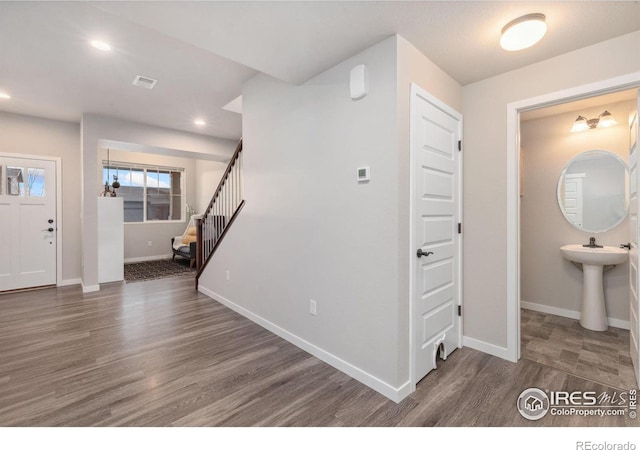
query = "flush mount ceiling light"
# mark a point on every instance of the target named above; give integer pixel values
(100, 45)
(200, 122)
(4, 96)
(523, 32)
(604, 120)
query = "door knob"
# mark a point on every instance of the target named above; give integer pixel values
(421, 253)
(50, 220)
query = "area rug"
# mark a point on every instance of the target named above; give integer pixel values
(153, 270)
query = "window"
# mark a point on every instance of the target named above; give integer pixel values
(19, 185)
(150, 193)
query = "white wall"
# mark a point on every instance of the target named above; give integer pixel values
(207, 177)
(34, 136)
(310, 231)
(94, 130)
(547, 146)
(485, 167)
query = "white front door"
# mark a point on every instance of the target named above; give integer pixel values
(27, 223)
(435, 159)
(634, 182)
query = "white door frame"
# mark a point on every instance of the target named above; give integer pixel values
(58, 162)
(628, 81)
(413, 260)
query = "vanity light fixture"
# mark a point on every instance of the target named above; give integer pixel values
(4, 96)
(523, 32)
(604, 120)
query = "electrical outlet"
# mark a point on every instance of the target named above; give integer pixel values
(150, 243)
(312, 308)
(228, 275)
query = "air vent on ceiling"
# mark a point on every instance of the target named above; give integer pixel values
(145, 82)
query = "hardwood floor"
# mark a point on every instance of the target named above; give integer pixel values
(559, 342)
(160, 354)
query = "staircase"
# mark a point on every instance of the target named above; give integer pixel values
(224, 207)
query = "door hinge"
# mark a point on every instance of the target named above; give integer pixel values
(459, 146)
(460, 310)
(459, 228)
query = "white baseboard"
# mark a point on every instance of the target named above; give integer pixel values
(147, 258)
(395, 394)
(91, 288)
(485, 347)
(571, 314)
(70, 282)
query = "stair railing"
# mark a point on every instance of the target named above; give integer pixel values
(224, 207)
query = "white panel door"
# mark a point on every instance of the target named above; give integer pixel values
(435, 133)
(634, 179)
(27, 223)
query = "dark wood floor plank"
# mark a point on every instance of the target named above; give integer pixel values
(159, 353)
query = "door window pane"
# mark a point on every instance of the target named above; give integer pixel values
(15, 181)
(35, 182)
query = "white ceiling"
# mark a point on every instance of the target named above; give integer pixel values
(202, 52)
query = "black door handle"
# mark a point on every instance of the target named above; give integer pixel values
(50, 220)
(627, 246)
(50, 230)
(421, 253)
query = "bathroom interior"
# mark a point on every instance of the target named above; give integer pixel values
(574, 186)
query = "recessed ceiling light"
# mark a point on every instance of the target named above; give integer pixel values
(101, 45)
(200, 122)
(523, 32)
(4, 96)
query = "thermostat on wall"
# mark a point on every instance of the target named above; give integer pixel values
(363, 174)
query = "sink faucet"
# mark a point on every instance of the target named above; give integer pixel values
(592, 243)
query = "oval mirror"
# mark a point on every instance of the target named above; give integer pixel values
(593, 191)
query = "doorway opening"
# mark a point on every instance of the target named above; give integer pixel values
(547, 328)
(147, 231)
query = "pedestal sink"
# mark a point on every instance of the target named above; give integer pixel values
(593, 315)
